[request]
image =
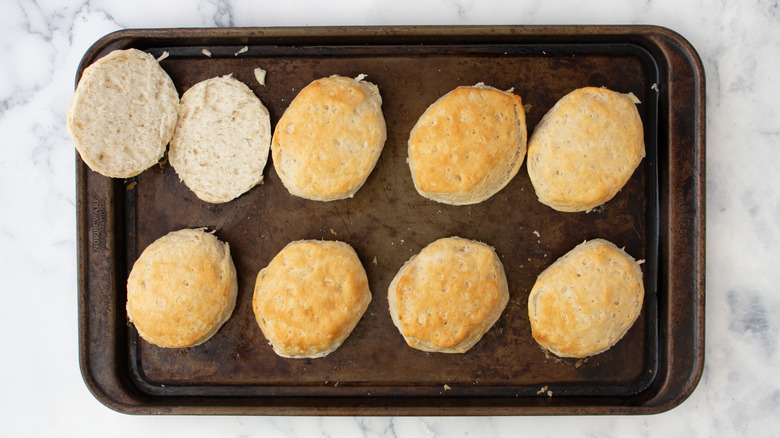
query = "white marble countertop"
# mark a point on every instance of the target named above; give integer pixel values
(42, 41)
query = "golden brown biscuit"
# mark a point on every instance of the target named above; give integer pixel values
(468, 145)
(329, 139)
(310, 298)
(585, 149)
(123, 113)
(585, 302)
(448, 296)
(182, 289)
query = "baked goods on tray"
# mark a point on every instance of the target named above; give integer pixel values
(585, 149)
(468, 145)
(329, 139)
(123, 113)
(182, 289)
(310, 297)
(586, 301)
(445, 298)
(222, 139)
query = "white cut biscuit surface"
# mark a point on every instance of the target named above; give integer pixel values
(123, 113)
(222, 139)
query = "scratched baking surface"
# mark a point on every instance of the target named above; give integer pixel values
(387, 222)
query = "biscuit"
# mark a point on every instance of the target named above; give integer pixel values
(468, 145)
(585, 149)
(222, 139)
(329, 139)
(448, 296)
(310, 297)
(123, 113)
(586, 301)
(182, 289)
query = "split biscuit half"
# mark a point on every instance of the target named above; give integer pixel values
(123, 113)
(222, 139)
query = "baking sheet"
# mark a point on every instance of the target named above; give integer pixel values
(657, 217)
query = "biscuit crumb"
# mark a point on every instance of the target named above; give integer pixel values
(260, 75)
(543, 390)
(206, 52)
(131, 186)
(536, 233)
(374, 261)
(243, 50)
(654, 87)
(332, 231)
(549, 393)
(597, 209)
(447, 387)
(163, 56)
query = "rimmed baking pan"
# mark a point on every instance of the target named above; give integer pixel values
(657, 217)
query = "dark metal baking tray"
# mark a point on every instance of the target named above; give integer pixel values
(657, 217)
